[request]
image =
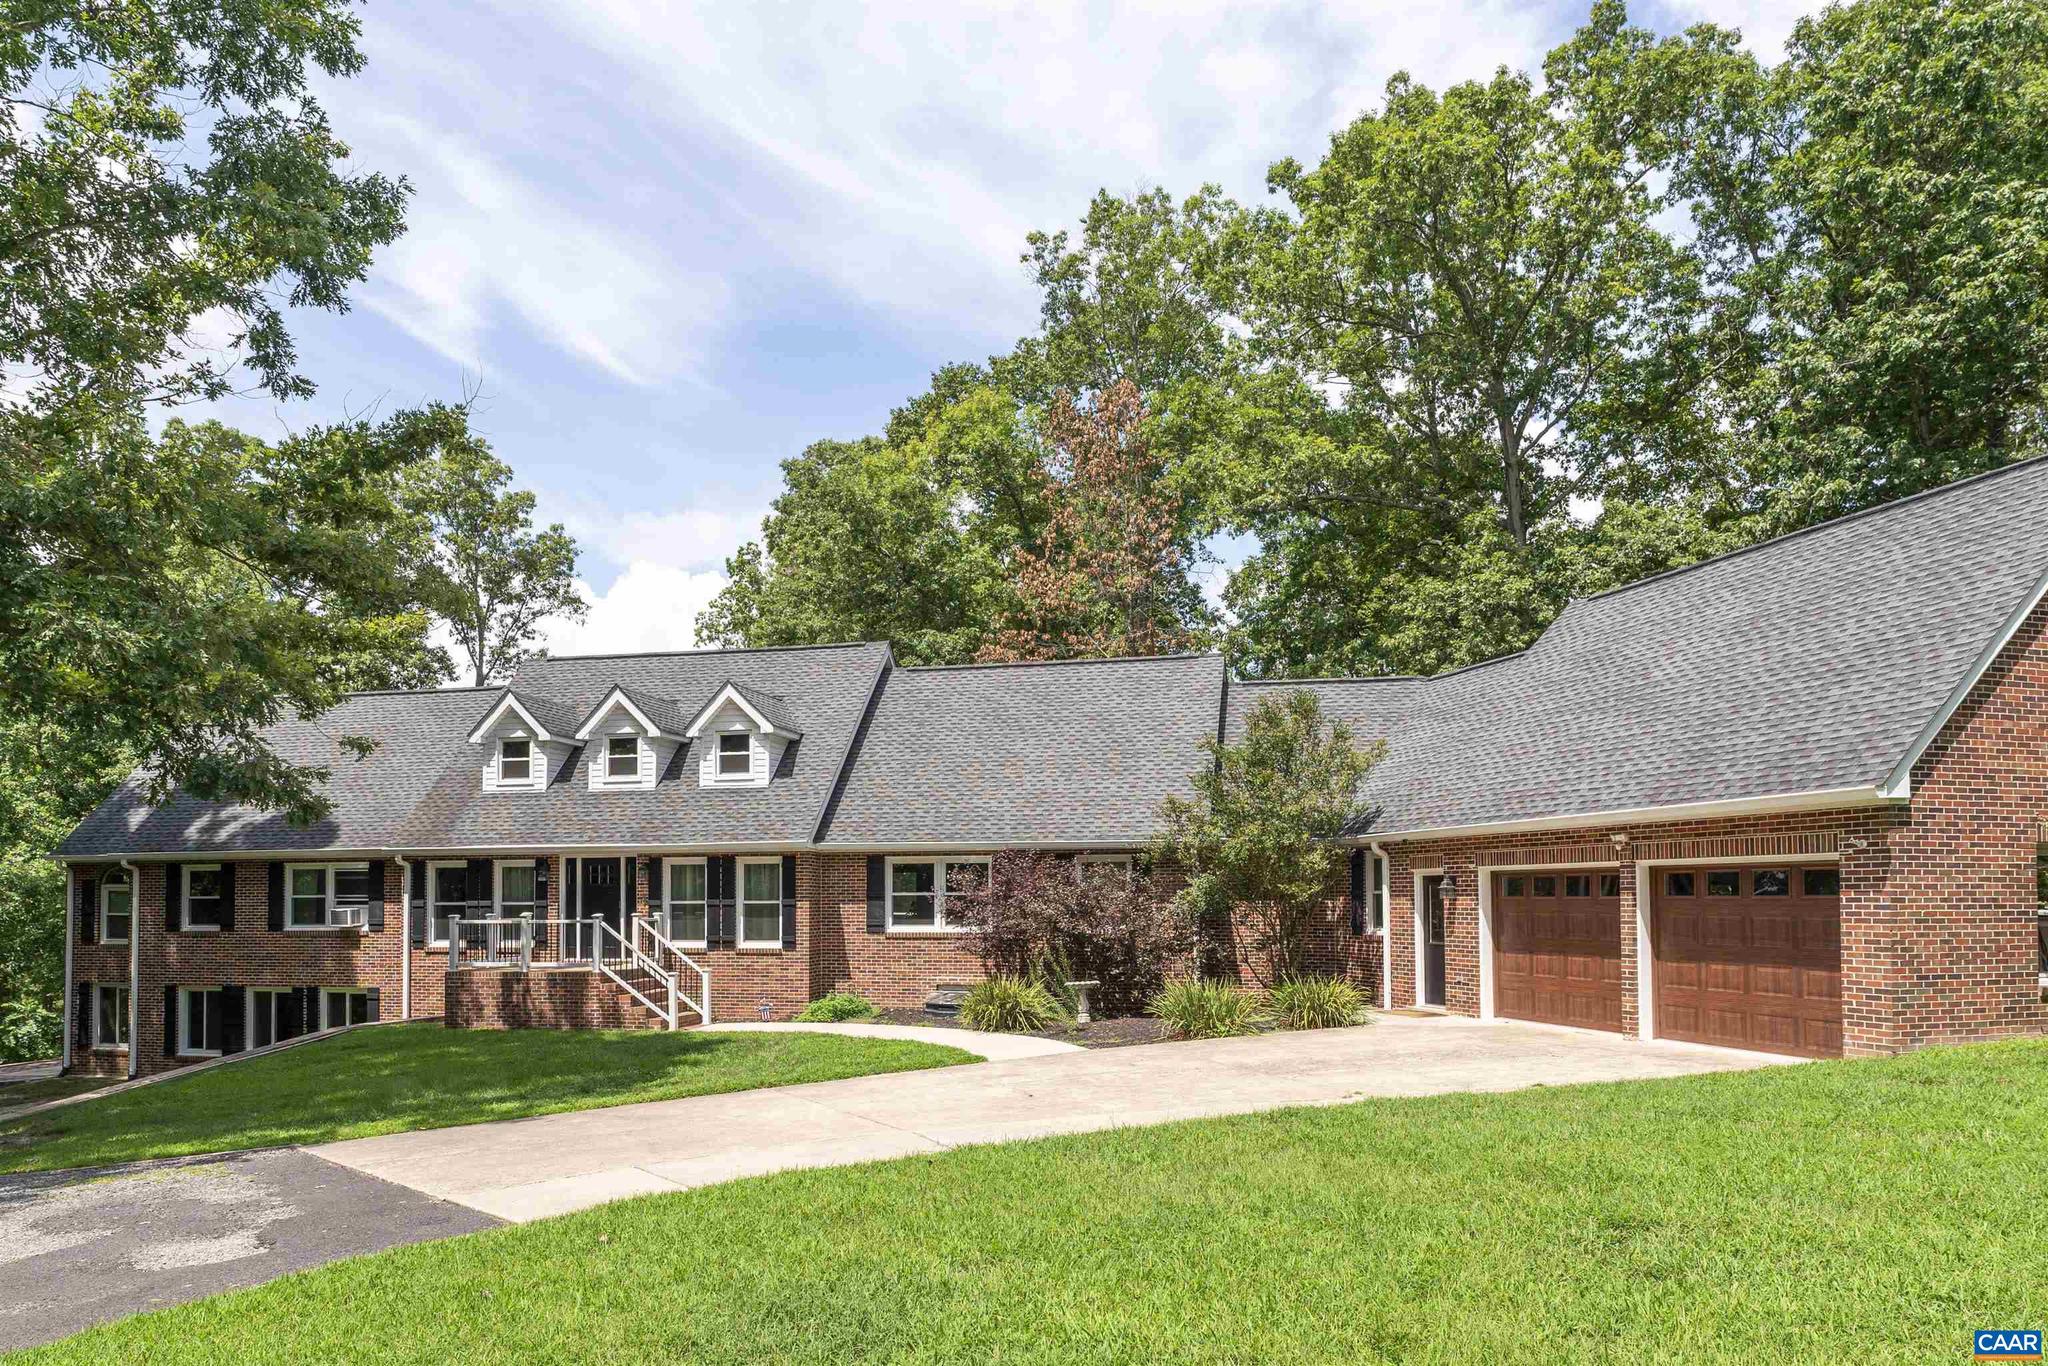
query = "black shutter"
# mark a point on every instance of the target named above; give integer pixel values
(376, 999)
(1358, 891)
(227, 896)
(878, 894)
(544, 905)
(789, 901)
(418, 918)
(174, 891)
(234, 1019)
(215, 1023)
(377, 894)
(276, 893)
(657, 886)
(727, 904)
(170, 1022)
(87, 892)
(81, 1014)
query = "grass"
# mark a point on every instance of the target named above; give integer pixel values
(423, 1076)
(1868, 1211)
(49, 1088)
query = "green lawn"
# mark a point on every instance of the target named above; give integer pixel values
(1832, 1212)
(48, 1088)
(422, 1076)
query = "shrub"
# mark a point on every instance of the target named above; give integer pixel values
(840, 1005)
(1198, 1008)
(1052, 920)
(1316, 1003)
(1003, 1004)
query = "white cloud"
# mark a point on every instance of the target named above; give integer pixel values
(649, 606)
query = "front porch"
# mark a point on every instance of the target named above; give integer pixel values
(529, 972)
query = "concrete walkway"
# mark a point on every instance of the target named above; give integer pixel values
(531, 1168)
(993, 1047)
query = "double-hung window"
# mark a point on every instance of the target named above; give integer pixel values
(341, 1008)
(447, 897)
(199, 1022)
(935, 894)
(622, 758)
(117, 909)
(735, 754)
(761, 903)
(109, 1016)
(519, 891)
(686, 897)
(203, 897)
(1376, 892)
(515, 761)
(273, 1016)
(327, 895)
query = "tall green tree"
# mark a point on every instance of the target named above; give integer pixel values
(490, 574)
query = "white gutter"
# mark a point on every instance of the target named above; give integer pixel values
(134, 966)
(1384, 866)
(1818, 799)
(404, 936)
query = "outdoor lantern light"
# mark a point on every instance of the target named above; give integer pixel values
(767, 1008)
(1450, 886)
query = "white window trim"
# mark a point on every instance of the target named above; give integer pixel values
(433, 898)
(327, 998)
(99, 1044)
(667, 920)
(607, 778)
(116, 882)
(940, 864)
(1382, 870)
(185, 872)
(744, 776)
(739, 904)
(498, 903)
(536, 765)
(185, 1049)
(328, 925)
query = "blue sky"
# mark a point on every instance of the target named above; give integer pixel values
(672, 244)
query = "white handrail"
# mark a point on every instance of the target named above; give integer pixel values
(702, 1005)
(642, 961)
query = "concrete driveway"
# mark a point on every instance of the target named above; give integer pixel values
(531, 1168)
(82, 1247)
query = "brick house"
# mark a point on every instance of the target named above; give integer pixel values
(1794, 798)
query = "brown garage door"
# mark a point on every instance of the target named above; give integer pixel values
(1557, 947)
(1750, 958)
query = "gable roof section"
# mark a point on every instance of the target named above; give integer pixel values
(551, 719)
(771, 711)
(1803, 666)
(658, 714)
(830, 684)
(1073, 753)
(420, 735)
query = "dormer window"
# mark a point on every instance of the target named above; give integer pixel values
(622, 757)
(735, 754)
(515, 761)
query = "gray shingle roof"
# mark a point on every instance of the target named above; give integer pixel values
(556, 719)
(667, 717)
(1078, 752)
(773, 706)
(1809, 663)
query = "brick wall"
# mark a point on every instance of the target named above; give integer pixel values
(890, 969)
(564, 998)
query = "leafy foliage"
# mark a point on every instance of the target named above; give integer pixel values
(1003, 1004)
(1256, 839)
(1201, 1008)
(1052, 920)
(837, 1008)
(1316, 1002)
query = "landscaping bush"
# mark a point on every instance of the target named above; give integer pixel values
(1052, 920)
(1198, 1008)
(838, 1007)
(1004, 1004)
(1316, 1003)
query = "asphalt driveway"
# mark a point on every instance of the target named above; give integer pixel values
(82, 1247)
(531, 1168)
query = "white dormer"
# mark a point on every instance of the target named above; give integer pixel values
(740, 738)
(521, 753)
(627, 741)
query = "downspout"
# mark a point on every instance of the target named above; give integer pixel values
(134, 966)
(70, 987)
(404, 936)
(1382, 866)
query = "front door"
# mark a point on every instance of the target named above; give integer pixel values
(1432, 941)
(599, 899)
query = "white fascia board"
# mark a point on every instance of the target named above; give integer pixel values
(1898, 784)
(483, 727)
(729, 693)
(1819, 799)
(617, 698)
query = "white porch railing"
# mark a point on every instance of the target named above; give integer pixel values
(680, 965)
(637, 974)
(523, 942)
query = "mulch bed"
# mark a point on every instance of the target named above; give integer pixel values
(1136, 1029)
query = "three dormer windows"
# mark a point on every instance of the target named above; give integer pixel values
(515, 761)
(735, 754)
(622, 757)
